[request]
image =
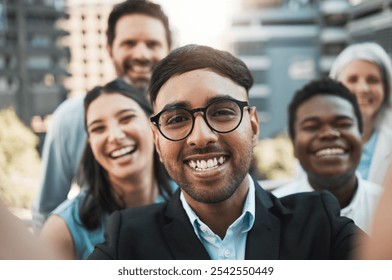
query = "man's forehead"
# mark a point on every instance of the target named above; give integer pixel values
(135, 21)
(332, 105)
(197, 88)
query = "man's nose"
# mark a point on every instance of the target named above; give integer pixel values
(330, 133)
(141, 52)
(202, 134)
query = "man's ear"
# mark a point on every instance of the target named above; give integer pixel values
(155, 134)
(254, 122)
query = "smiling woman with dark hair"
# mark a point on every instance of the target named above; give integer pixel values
(120, 169)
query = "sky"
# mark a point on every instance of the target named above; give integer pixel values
(200, 21)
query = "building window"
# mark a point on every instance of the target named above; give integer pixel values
(249, 48)
(39, 62)
(3, 85)
(40, 41)
(259, 76)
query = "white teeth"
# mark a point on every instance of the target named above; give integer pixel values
(221, 160)
(121, 152)
(206, 164)
(330, 152)
(192, 164)
(203, 164)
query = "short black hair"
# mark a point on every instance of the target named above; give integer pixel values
(193, 57)
(323, 86)
(130, 7)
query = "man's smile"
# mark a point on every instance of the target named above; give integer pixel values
(206, 164)
(328, 152)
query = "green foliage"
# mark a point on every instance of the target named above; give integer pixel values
(275, 158)
(19, 161)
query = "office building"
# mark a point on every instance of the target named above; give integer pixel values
(32, 63)
(286, 43)
(90, 63)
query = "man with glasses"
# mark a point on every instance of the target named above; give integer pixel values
(205, 131)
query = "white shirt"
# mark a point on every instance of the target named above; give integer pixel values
(233, 245)
(361, 207)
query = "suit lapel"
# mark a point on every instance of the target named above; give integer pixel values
(263, 239)
(180, 235)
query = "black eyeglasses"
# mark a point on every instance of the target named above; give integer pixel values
(223, 116)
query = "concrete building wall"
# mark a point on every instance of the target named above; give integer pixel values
(90, 63)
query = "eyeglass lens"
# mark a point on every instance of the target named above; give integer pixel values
(222, 116)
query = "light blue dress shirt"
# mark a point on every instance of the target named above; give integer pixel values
(63, 147)
(232, 247)
(367, 155)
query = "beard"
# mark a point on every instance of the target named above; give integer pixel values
(222, 189)
(208, 197)
(136, 72)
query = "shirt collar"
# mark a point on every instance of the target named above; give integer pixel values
(356, 199)
(248, 211)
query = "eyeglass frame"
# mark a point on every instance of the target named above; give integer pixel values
(241, 104)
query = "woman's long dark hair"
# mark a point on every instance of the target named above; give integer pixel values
(100, 198)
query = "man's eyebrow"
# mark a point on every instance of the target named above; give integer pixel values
(310, 119)
(345, 117)
(220, 97)
(186, 104)
(172, 105)
(337, 117)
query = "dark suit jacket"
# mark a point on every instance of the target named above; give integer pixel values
(299, 226)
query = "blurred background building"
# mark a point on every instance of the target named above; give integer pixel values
(51, 50)
(90, 64)
(54, 49)
(33, 64)
(286, 43)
